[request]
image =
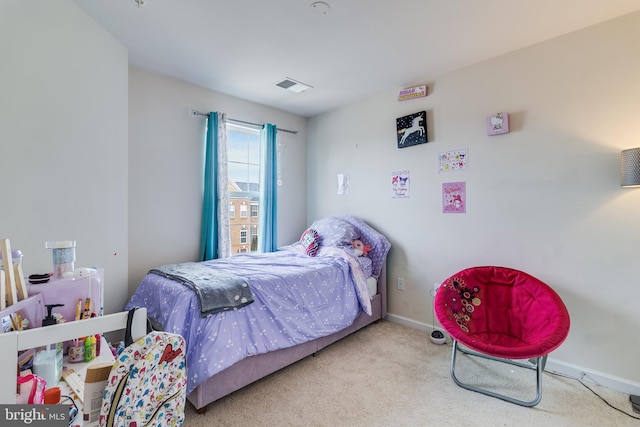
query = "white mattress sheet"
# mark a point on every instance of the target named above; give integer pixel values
(372, 282)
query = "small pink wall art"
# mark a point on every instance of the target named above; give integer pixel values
(454, 197)
(498, 124)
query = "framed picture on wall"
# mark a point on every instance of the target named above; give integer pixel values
(412, 129)
(498, 124)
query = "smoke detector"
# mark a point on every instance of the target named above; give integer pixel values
(320, 8)
(292, 85)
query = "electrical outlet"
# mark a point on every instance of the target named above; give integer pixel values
(400, 284)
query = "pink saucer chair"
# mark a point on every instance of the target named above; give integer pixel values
(502, 314)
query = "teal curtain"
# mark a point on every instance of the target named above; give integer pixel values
(268, 226)
(209, 235)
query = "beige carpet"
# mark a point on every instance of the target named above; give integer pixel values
(392, 375)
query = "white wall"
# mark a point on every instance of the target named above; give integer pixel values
(66, 154)
(63, 133)
(166, 158)
(544, 198)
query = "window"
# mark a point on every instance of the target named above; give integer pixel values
(243, 147)
(232, 210)
(254, 237)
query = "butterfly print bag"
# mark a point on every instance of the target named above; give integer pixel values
(147, 384)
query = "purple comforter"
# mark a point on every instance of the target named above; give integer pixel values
(297, 298)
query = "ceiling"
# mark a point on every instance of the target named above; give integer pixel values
(358, 49)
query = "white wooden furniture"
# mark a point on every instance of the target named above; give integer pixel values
(68, 291)
(12, 342)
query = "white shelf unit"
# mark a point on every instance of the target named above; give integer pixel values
(13, 342)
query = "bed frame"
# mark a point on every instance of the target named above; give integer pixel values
(259, 366)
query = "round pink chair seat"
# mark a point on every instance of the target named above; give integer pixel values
(502, 312)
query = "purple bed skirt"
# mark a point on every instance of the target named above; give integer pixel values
(259, 366)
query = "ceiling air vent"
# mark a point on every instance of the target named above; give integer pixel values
(293, 85)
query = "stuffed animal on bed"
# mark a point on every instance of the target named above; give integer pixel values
(359, 248)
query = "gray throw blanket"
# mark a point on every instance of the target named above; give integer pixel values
(216, 291)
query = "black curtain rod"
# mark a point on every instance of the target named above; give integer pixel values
(295, 132)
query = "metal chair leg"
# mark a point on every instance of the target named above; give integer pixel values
(539, 362)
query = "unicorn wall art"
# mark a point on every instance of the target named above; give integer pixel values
(412, 129)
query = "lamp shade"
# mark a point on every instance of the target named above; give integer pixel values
(630, 167)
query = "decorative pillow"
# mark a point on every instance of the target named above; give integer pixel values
(379, 244)
(310, 241)
(335, 231)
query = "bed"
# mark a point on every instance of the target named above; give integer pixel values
(302, 298)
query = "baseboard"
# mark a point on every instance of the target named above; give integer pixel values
(586, 375)
(594, 377)
(409, 322)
